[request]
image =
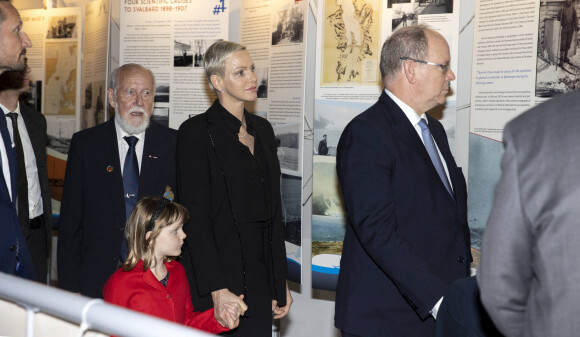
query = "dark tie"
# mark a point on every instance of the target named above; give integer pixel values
(130, 185)
(22, 181)
(11, 155)
(432, 150)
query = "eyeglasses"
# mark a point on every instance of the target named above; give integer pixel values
(131, 93)
(444, 67)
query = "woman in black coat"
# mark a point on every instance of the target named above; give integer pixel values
(229, 180)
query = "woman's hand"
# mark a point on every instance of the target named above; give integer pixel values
(280, 312)
(234, 310)
(228, 307)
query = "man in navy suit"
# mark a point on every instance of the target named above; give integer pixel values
(407, 237)
(14, 254)
(93, 210)
(34, 212)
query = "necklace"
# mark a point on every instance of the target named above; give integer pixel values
(246, 129)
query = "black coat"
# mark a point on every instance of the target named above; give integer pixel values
(213, 258)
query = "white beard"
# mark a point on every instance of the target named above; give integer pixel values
(126, 126)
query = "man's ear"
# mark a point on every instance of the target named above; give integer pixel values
(111, 96)
(411, 71)
(216, 81)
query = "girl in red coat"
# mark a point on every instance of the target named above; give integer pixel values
(150, 281)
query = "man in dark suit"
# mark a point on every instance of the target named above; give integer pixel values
(14, 254)
(96, 201)
(407, 237)
(34, 212)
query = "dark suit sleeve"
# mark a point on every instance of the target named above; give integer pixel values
(505, 270)
(195, 193)
(365, 170)
(279, 264)
(70, 226)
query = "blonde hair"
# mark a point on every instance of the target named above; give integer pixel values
(140, 247)
(216, 56)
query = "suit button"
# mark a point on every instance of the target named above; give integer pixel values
(114, 259)
(12, 248)
(460, 259)
(168, 297)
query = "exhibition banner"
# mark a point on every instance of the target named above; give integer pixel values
(520, 59)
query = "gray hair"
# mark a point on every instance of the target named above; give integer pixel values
(117, 75)
(410, 41)
(216, 56)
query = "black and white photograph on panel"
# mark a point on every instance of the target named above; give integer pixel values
(291, 192)
(288, 23)
(62, 27)
(288, 142)
(558, 60)
(161, 104)
(182, 53)
(262, 75)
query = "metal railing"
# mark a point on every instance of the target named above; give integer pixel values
(90, 314)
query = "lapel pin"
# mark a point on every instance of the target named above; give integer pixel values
(109, 168)
(153, 157)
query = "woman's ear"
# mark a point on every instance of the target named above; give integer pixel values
(147, 235)
(217, 82)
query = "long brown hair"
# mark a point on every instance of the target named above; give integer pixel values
(140, 247)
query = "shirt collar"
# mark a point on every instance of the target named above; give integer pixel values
(233, 123)
(409, 112)
(121, 133)
(6, 110)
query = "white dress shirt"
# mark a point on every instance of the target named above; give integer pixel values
(123, 146)
(5, 165)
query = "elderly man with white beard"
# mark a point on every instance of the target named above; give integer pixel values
(110, 167)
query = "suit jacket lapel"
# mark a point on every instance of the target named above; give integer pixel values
(109, 159)
(225, 153)
(151, 159)
(442, 143)
(405, 130)
(273, 166)
(34, 134)
(407, 133)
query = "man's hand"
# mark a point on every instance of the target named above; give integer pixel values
(228, 307)
(280, 312)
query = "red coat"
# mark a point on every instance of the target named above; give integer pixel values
(141, 291)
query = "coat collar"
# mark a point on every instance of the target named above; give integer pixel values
(151, 280)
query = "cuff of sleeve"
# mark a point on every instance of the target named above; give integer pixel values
(435, 309)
